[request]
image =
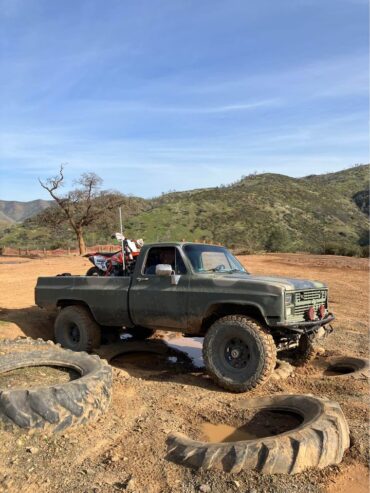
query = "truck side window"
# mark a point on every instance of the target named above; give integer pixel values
(164, 255)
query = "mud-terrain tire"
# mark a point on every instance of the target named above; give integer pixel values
(55, 407)
(320, 440)
(93, 271)
(140, 333)
(75, 329)
(306, 350)
(239, 353)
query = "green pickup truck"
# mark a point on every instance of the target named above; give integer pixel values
(199, 290)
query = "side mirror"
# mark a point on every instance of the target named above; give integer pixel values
(163, 270)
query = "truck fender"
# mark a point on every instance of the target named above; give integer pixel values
(220, 309)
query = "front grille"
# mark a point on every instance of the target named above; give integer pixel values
(303, 300)
(301, 310)
(314, 294)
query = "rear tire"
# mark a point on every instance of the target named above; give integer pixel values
(239, 353)
(76, 329)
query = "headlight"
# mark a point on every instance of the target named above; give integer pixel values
(288, 298)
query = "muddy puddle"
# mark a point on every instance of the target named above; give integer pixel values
(143, 360)
(225, 433)
(191, 346)
(36, 376)
(157, 354)
(261, 424)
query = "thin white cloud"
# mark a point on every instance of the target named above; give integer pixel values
(232, 107)
(119, 106)
(324, 77)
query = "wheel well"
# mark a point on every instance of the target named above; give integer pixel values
(64, 303)
(224, 309)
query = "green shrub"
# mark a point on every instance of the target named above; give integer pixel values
(278, 240)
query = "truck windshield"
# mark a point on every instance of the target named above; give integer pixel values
(206, 258)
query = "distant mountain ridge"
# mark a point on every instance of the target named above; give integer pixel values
(309, 213)
(319, 213)
(13, 211)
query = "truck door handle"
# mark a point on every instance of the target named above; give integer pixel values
(140, 279)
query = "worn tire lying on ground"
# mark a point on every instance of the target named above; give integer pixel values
(320, 440)
(346, 367)
(24, 344)
(54, 407)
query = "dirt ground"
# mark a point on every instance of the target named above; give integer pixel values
(152, 396)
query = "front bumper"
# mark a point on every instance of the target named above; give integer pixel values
(303, 326)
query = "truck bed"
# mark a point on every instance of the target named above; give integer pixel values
(107, 297)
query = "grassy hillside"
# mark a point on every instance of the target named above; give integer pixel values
(308, 213)
(318, 213)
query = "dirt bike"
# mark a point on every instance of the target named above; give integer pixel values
(111, 263)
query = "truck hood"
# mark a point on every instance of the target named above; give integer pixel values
(283, 282)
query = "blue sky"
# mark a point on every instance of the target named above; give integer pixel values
(176, 94)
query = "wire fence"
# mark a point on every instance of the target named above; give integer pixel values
(60, 252)
(43, 252)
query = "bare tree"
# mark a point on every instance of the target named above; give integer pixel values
(82, 206)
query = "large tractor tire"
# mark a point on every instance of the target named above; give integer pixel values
(57, 406)
(239, 353)
(76, 329)
(318, 441)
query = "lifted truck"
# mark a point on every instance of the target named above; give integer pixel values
(199, 290)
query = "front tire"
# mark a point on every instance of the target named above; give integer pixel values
(94, 271)
(76, 329)
(306, 350)
(239, 353)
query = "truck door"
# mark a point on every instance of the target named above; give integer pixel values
(154, 301)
